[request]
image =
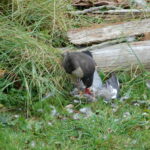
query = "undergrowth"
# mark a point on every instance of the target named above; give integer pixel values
(35, 63)
(28, 32)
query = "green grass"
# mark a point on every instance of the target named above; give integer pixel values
(35, 63)
(30, 31)
(106, 130)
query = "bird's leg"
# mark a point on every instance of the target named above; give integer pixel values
(79, 86)
(77, 82)
(74, 81)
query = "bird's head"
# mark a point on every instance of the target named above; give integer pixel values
(87, 80)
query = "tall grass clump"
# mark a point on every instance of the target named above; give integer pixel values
(36, 64)
(29, 31)
(43, 17)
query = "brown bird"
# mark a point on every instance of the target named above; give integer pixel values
(80, 65)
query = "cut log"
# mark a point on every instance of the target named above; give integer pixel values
(92, 9)
(92, 35)
(120, 17)
(123, 11)
(98, 10)
(140, 3)
(90, 3)
(119, 56)
(112, 15)
(122, 56)
(108, 43)
(122, 14)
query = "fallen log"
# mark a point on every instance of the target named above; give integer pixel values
(90, 3)
(118, 57)
(123, 11)
(92, 9)
(108, 43)
(99, 10)
(123, 56)
(113, 13)
(89, 36)
(140, 3)
(122, 14)
(120, 18)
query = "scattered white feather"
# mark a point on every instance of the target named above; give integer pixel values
(16, 116)
(87, 111)
(148, 84)
(114, 92)
(76, 116)
(126, 115)
(49, 124)
(33, 144)
(54, 111)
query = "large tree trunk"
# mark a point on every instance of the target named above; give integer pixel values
(122, 56)
(98, 34)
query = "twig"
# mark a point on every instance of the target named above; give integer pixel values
(89, 10)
